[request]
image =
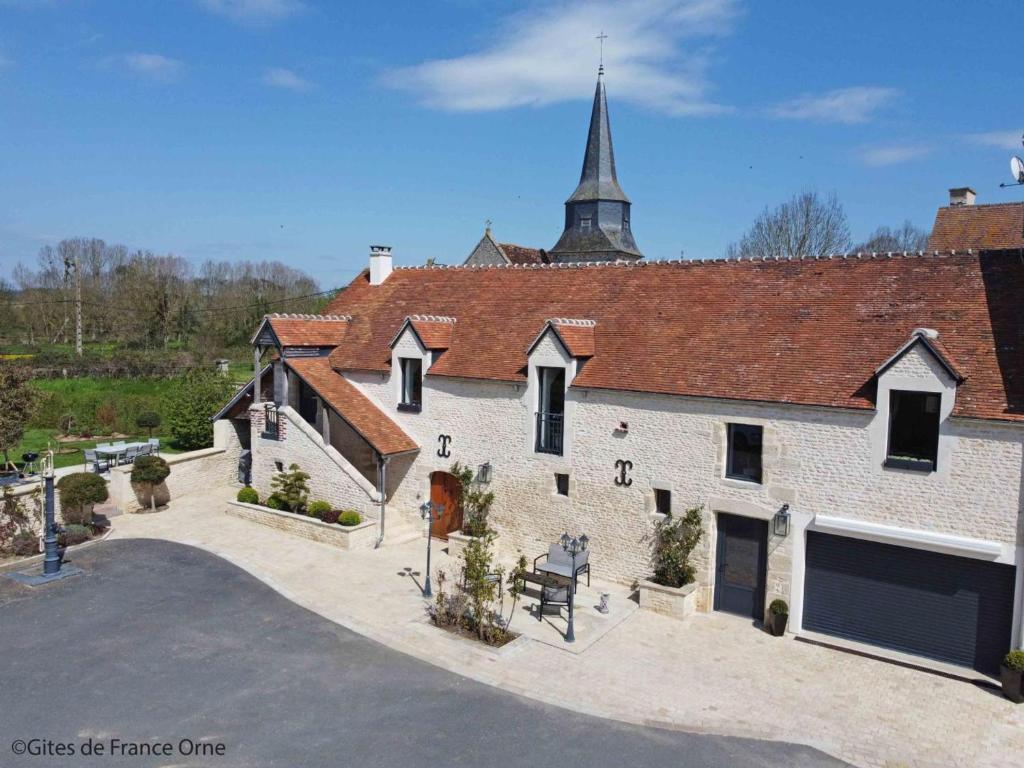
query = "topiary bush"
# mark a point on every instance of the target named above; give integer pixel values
(1014, 660)
(248, 496)
(291, 488)
(276, 502)
(74, 534)
(25, 544)
(77, 491)
(148, 420)
(318, 508)
(778, 608)
(349, 518)
(149, 472)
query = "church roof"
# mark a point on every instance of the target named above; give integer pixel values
(978, 227)
(808, 331)
(598, 180)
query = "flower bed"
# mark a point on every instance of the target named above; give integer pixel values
(360, 536)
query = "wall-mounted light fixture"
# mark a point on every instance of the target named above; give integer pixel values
(483, 472)
(780, 522)
(623, 427)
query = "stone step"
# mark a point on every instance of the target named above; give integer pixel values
(401, 534)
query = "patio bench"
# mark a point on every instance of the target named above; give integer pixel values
(559, 563)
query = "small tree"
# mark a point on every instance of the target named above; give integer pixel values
(195, 399)
(291, 488)
(149, 472)
(475, 501)
(674, 540)
(148, 420)
(481, 590)
(516, 585)
(17, 402)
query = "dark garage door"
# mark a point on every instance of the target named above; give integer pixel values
(953, 609)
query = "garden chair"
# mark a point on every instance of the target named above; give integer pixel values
(154, 445)
(99, 465)
(558, 562)
(144, 450)
(130, 454)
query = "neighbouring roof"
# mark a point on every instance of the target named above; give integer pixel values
(520, 254)
(598, 180)
(372, 424)
(978, 227)
(806, 331)
(293, 330)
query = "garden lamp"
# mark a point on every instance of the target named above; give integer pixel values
(572, 546)
(430, 511)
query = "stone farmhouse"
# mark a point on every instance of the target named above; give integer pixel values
(852, 426)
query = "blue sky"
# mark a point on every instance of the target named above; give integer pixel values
(304, 130)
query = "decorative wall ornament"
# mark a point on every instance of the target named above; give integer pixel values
(445, 441)
(624, 468)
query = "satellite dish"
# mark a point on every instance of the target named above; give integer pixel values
(1017, 169)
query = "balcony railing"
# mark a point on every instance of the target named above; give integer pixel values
(549, 433)
(270, 422)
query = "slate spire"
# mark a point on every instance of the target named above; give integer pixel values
(597, 214)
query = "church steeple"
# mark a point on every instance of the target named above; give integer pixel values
(597, 224)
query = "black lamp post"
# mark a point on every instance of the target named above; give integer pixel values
(430, 512)
(51, 558)
(572, 546)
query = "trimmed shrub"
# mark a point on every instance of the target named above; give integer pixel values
(74, 534)
(349, 517)
(78, 490)
(291, 488)
(778, 608)
(1014, 660)
(276, 502)
(248, 496)
(330, 516)
(194, 399)
(674, 539)
(317, 508)
(25, 544)
(149, 472)
(149, 420)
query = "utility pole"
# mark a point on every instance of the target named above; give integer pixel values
(78, 307)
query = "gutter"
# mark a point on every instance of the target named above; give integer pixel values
(382, 475)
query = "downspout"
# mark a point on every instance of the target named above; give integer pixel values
(382, 477)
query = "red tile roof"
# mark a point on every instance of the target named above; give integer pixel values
(809, 331)
(577, 336)
(518, 254)
(384, 435)
(434, 332)
(308, 330)
(978, 227)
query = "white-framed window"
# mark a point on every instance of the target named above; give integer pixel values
(412, 384)
(550, 410)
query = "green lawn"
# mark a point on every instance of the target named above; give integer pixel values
(70, 454)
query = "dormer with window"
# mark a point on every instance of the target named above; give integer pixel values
(555, 357)
(417, 345)
(916, 393)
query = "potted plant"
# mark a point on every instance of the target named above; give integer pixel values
(1011, 674)
(149, 472)
(79, 491)
(778, 616)
(672, 590)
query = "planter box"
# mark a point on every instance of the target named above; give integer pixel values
(677, 602)
(1012, 681)
(362, 536)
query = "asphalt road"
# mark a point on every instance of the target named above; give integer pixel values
(159, 642)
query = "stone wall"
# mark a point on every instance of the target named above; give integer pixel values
(332, 477)
(362, 536)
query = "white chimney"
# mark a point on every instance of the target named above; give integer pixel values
(380, 263)
(961, 196)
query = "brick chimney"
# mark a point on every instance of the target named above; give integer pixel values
(380, 263)
(961, 196)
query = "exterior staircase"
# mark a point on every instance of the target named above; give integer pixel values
(400, 531)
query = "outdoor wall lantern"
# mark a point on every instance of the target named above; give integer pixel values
(780, 522)
(483, 473)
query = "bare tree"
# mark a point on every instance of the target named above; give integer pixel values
(906, 238)
(804, 226)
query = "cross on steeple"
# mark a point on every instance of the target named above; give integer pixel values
(602, 37)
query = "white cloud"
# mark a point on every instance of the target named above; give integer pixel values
(279, 77)
(878, 157)
(153, 65)
(549, 54)
(253, 11)
(843, 105)
(997, 139)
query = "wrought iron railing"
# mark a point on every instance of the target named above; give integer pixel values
(270, 422)
(549, 432)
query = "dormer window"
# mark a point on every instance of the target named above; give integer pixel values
(551, 410)
(913, 430)
(412, 384)
(625, 222)
(584, 223)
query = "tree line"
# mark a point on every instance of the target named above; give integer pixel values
(142, 300)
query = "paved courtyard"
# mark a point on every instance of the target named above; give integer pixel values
(159, 642)
(712, 674)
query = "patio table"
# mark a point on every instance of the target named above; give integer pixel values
(115, 452)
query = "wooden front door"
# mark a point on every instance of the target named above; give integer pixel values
(445, 489)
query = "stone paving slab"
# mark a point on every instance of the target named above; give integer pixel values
(712, 673)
